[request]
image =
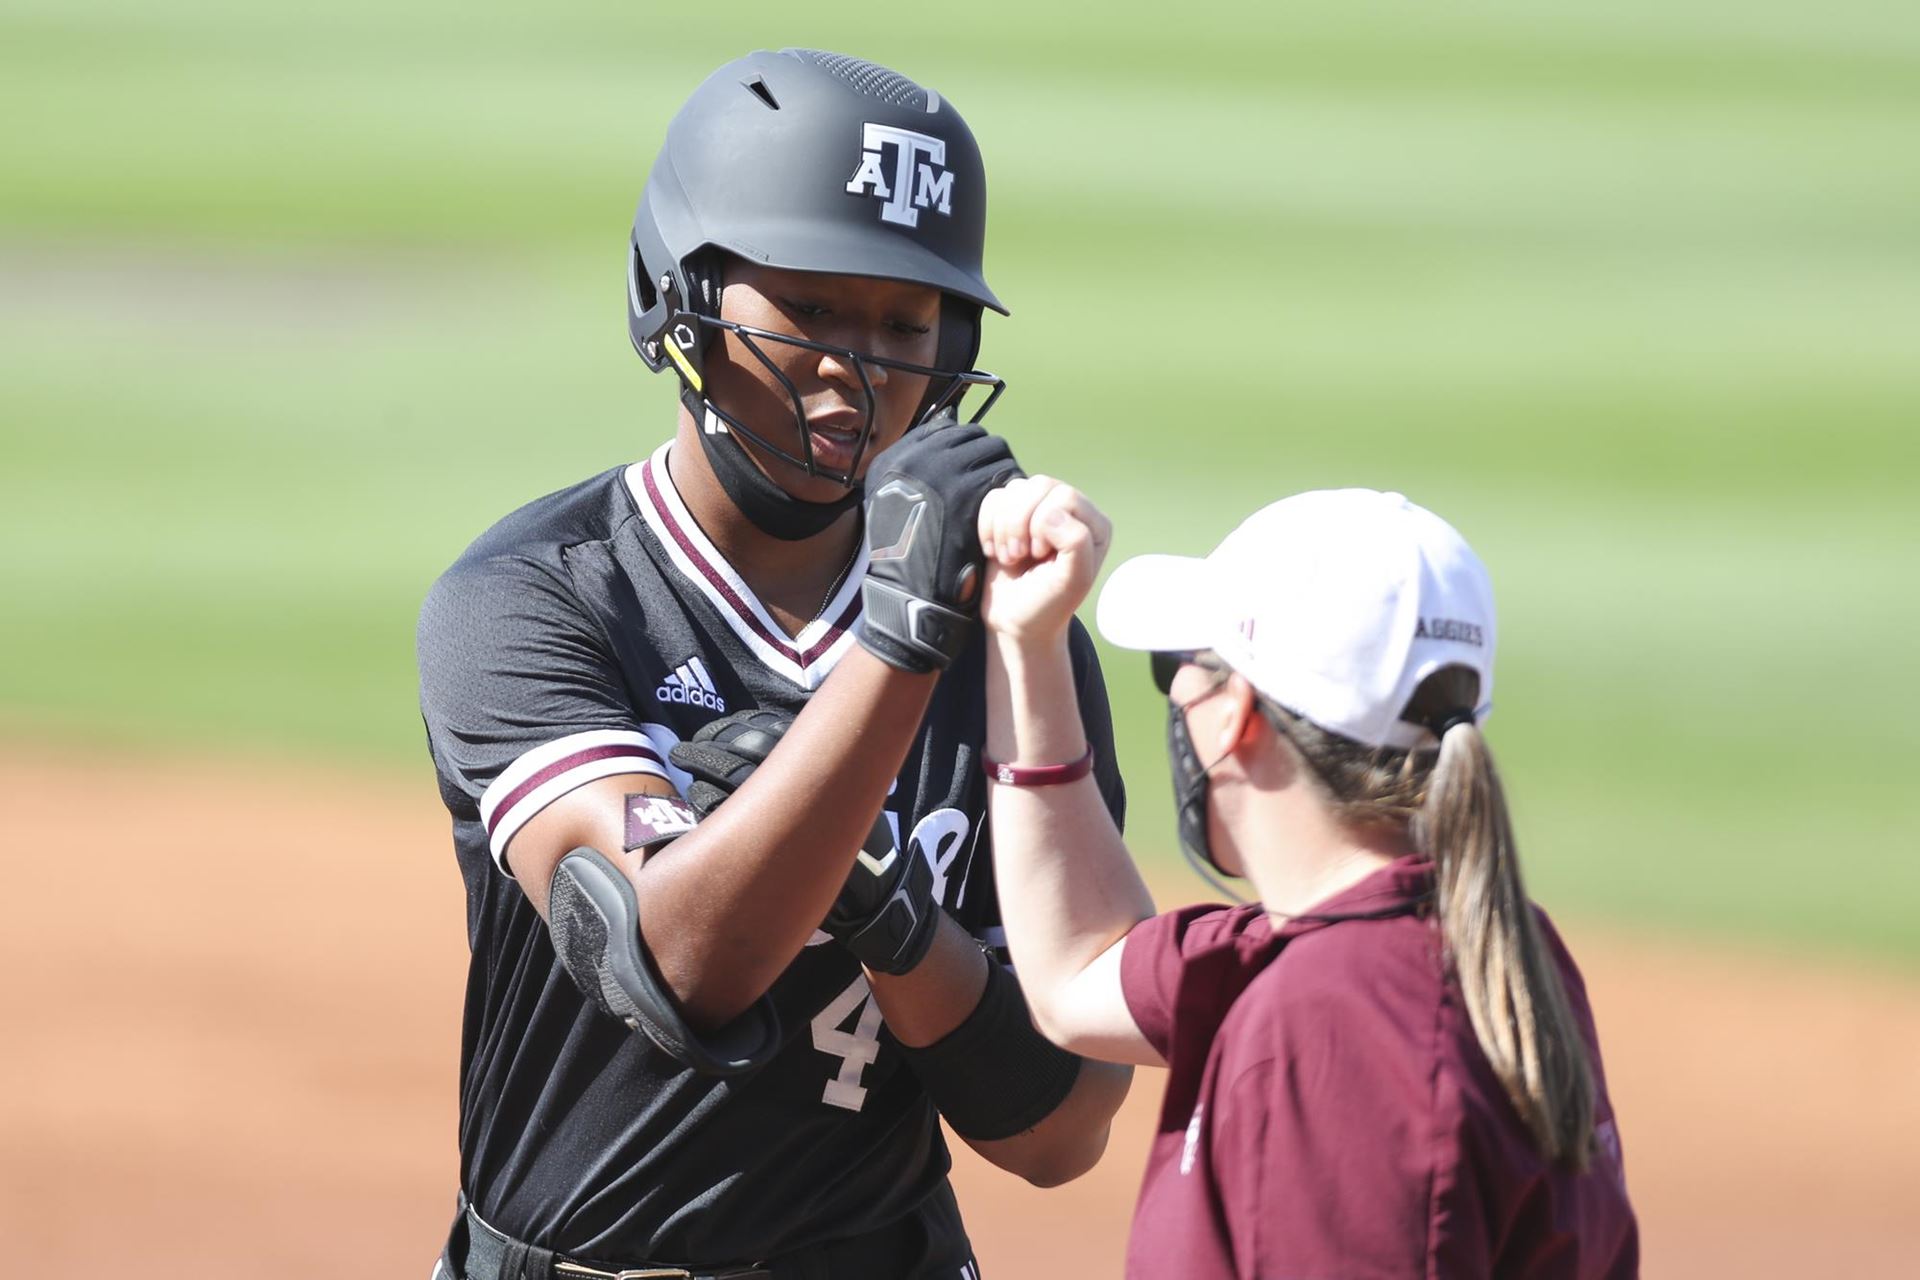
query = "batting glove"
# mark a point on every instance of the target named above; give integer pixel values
(921, 595)
(885, 914)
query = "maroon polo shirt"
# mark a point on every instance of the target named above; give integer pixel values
(1330, 1116)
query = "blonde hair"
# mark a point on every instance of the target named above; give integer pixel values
(1453, 802)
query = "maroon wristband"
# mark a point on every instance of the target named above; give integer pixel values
(1038, 775)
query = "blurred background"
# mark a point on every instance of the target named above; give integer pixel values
(295, 301)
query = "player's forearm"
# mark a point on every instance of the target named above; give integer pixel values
(1068, 889)
(739, 896)
(1072, 1137)
(936, 995)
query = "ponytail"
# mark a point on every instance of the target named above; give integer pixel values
(1458, 813)
(1511, 987)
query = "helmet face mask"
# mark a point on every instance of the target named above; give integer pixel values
(945, 389)
(807, 161)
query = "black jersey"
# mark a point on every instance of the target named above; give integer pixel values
(581, 637)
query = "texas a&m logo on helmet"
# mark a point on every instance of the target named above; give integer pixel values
(917, 177)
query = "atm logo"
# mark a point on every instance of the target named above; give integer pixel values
(917, 178)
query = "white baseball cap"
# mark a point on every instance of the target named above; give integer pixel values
(1336, 604)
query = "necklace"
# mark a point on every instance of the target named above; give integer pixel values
(839, 580)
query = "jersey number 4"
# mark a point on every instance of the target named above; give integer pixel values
(855, 1049)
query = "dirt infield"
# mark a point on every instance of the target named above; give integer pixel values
(231, 1013)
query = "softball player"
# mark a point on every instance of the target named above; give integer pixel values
(1386, 1066)
(709, 732)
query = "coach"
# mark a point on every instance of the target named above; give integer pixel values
(1386, 1066)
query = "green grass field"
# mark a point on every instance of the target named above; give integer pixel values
(293, 303)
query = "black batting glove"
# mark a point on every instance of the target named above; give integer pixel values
(921, 595)
(724, 752)
(885, 913)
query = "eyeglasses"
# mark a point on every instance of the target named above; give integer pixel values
(1166, 664)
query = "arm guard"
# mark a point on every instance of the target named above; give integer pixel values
(994, 1075)
(595, 921)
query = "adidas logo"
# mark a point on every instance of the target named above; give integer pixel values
(691, 685)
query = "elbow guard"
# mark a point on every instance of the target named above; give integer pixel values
(595, 922)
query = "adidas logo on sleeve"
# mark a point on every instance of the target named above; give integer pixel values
(691, 685)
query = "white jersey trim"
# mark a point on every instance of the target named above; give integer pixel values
(804, 659)
(540, 776)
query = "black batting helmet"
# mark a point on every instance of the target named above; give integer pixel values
(810, 161)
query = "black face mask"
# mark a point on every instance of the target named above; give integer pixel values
(1190, 786)
(767, 506)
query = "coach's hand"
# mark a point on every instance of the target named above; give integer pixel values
(1044, 543)
(885, 913)
(924, 565)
